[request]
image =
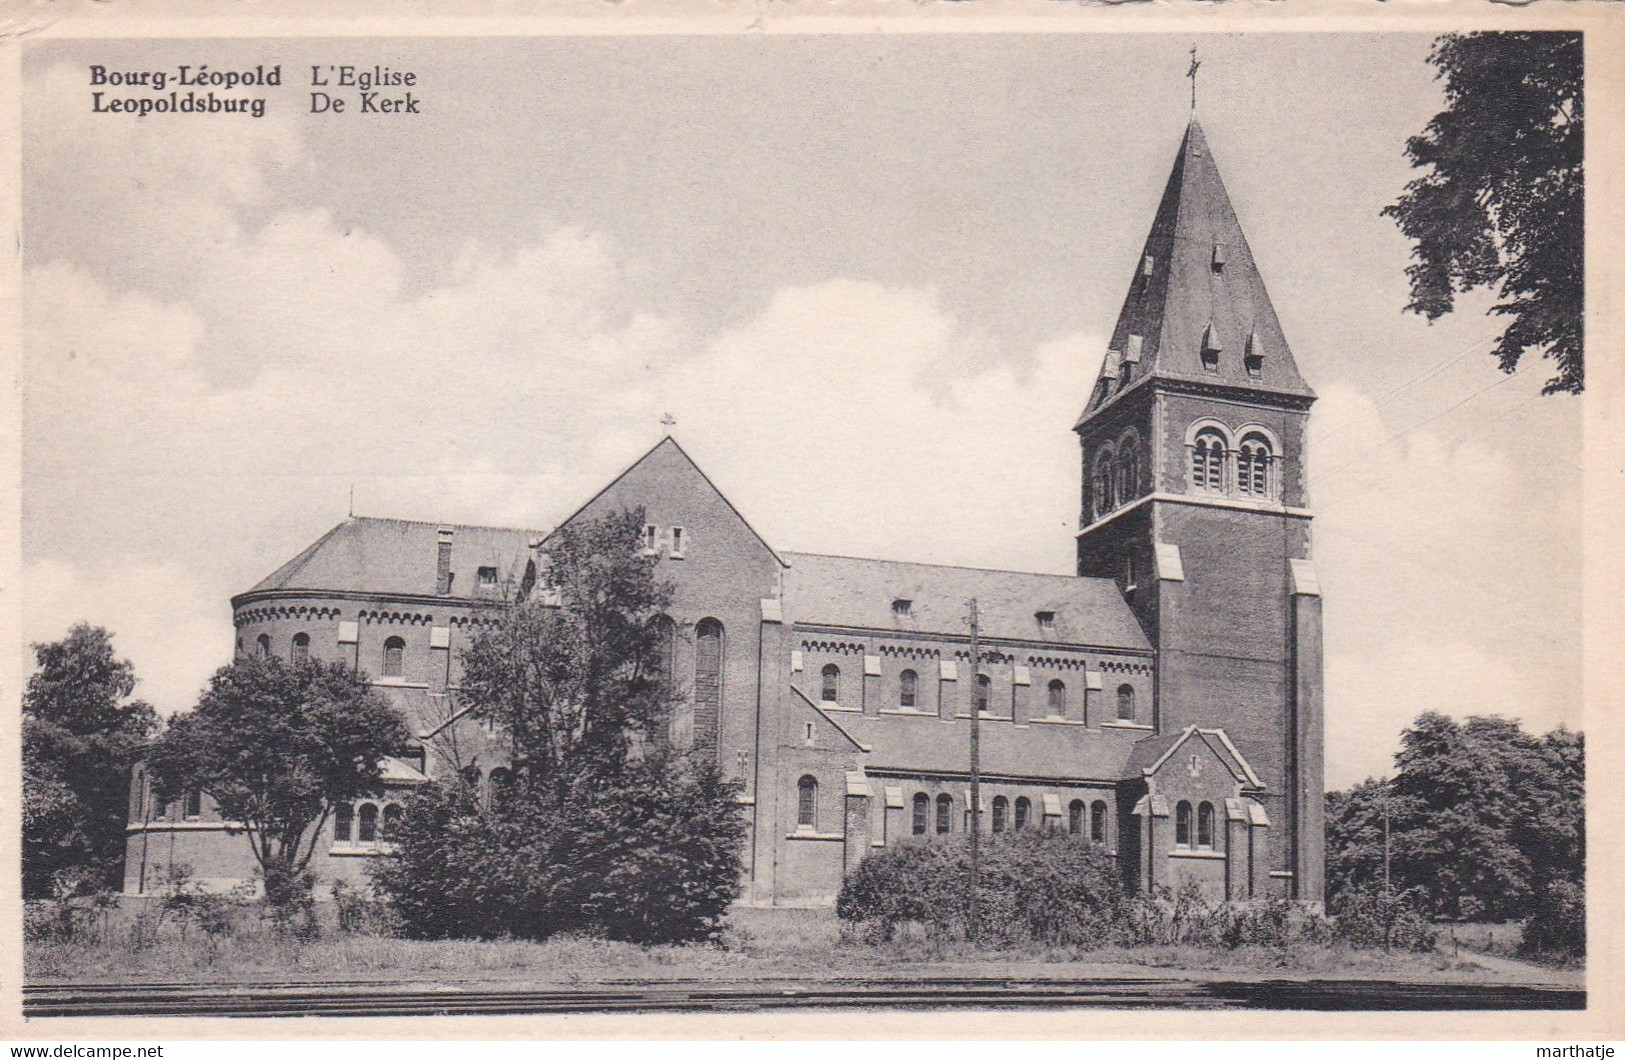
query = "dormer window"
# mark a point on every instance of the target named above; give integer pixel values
(1211, 348)
(902, 608)
(1148, 265)
(487, 578)
(1046, 619)
(1218, 257)
(1253, 358)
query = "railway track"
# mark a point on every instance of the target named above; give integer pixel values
(486, 999)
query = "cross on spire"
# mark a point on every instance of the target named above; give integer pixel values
(667, 421)
(1191, 73)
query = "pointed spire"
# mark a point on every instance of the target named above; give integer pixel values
(1196, 308)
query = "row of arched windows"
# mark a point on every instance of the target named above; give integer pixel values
(189, 807)
(1115, 476)
(1220, 466)
(366, 824)
(908, 684)
(1204, 826)
(298, 650)
(936, 816)
(710, 658)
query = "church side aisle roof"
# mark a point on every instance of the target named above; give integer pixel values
(1196, 287)
(860, 593)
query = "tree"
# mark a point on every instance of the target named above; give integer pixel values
(1501, 204)
(82, 732)
(572, 673)
(604, 827)
(1484, 818)
(278, 747)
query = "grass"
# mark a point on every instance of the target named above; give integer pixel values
(758, 944)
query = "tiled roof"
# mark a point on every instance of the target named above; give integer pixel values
(927, 745)
(400, 557)
(860, 593)
(1148, 754)
(1196, 284)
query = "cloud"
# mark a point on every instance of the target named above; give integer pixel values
(1418, 538)
(163, 618)
(864, 419)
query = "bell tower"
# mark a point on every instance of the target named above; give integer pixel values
(1195, 500)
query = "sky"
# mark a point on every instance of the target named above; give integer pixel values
(871, 277)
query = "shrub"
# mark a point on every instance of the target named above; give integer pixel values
(444, 877)
(652, 855)
(1370, 916)
(1556, 928)
(1039, 886)
(655, 858)
(361, 913)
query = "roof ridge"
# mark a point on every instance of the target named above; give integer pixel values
(946, 566)
(443, 522)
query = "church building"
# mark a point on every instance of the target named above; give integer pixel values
(1165, 702)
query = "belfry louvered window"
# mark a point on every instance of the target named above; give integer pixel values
(1102, 483)
(1253, 467)
(1207, 462)
(1128, 476)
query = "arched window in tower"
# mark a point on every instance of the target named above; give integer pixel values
(807, 802)
(1182, 825)
(1057, 698)
(908, 687)
(1024, 812)
(1253, 467)
(1207, 462)
(945, 814)
(709, 657)
(1125, 702)
(1001, 812)
(1128, 475)
(1100, 482)
(1074, 816)
(263, 645)
(301, 649)
(830, 690)
(194, 804)
(391, 821)
(1204, 826)
(922, 812)
(1097, 822)
(394, 649)
(984, 693)
(343, 822)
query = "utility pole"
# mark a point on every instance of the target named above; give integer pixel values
(1387, 883)
(974, 682)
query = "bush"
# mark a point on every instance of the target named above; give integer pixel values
(1039, 886)
(444, 877)
(1190, 918)
(654, 856)
(1556, 928)
(361, 913)
(1369, 916)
